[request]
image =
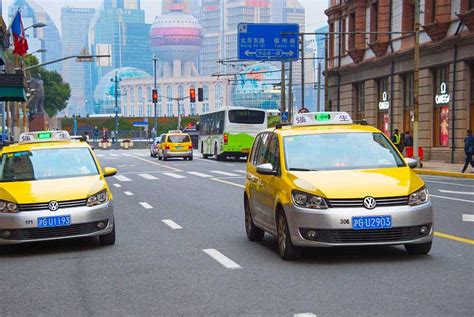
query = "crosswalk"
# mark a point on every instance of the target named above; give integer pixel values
(176, 175)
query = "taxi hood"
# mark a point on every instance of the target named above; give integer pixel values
(390, 182)
(41, 191)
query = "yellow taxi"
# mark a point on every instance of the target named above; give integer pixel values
(175, 144)
(325, 181)
(52, 187)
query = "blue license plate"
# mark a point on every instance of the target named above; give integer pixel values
(373, 222)
(179, 147)
(56, 221)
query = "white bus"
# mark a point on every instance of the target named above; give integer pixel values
(229, 131)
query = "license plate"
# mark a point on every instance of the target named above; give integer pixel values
(56, 221)
(375, 222)
(246, 151)
(178, 147)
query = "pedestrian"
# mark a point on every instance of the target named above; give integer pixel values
(112, 135)
(397, 140)
(86, 137)
(408, 139)
(469, 150)
(95, 134)
(105, 136)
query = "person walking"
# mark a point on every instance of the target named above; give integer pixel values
(469, 150)
(112, 135)
(397, 140)
(95, 134)
(408, 139)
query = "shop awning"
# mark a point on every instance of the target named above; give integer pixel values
(12, 87)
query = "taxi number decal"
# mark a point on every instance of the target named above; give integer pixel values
(345, 222)
(29, 222)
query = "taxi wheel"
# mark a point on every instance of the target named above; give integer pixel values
(108, 239)
(253, 232)
(190, 158)
(418, 249)
(285, 247)
(164, 158)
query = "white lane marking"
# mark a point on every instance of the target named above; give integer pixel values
(129, 193)
(174, 175)
(468, 218)
(109, 158)
(446, 183)
(241, 171)
(126, 166)
(117, 185)
(224, 173)
(122, 178)
(222, 259)
(451, 198)
(305, 315)
(114, 155)
(455, 192)
(199, 174)
(170, 223)
(148, 176)
(100, 155)
(230, 164)
(141, 154)
(146, 205)
(154, 163)
(226, 182)
(206, 160)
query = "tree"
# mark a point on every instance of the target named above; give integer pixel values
(56, 91)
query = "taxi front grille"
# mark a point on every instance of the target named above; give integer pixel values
(55, 232)
(359, 202)
(44, 206)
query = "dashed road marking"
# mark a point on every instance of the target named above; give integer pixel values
(468, 218)
(146, 205)
(452, 198)
(100, 155)
(206, 160)
(224, 173)
(170, 223)
(148, 176)
(228, 183)
(174, 175)
(122, 178)
(114, 155)
(157, 164)
(129, 193)
(117, 185)
(305, 315)
(141, 154)
(455, 192)
(199, 174)
(241, 171)
(222, 259)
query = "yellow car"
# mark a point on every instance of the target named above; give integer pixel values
(52, 187)
(175, 144)
(325, 181)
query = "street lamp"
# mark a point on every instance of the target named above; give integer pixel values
(36, 26)
(41, 50)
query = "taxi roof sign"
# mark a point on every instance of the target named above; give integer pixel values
(321, 118)
(44, 136)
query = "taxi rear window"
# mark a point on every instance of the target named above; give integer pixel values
(47, 164)
(178, 138)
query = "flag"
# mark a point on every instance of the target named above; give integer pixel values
(19, 37)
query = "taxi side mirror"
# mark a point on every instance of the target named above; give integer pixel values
(413, 163)
(266, 169)
(109, 171)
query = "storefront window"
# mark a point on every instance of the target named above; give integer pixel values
(441, 107)
(383, 105)
(359, 102)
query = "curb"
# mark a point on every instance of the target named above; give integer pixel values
(443, 173)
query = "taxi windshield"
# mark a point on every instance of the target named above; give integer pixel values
(46, 164)
(178, 138)
(340, 151)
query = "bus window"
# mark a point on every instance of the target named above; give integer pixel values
(246, 116)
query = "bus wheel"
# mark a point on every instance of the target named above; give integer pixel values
(205, 156)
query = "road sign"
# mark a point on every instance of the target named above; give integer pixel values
(284, 116)
(116, 109)
(268, 41)
(140, 124)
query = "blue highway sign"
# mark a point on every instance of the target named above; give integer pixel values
(268, 41)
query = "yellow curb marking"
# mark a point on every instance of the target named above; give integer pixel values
(441, 173)
(455, 238)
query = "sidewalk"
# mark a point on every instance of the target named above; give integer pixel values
(445, 169)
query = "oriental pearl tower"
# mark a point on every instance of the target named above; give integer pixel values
(176, 39)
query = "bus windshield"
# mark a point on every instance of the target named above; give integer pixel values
(246, 116)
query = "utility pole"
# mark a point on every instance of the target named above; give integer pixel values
(290, 93)
(319, 87)
(416, 81)
(155, 123)
(116, 81)
(283, 92)
(302, 71)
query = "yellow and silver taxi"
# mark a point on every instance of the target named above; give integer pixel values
(52, 187)
(325, 181)
(175, 144)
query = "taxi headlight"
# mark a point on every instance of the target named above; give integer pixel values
(7, 207)
(306, 200)
(419, 197)
(98, 199)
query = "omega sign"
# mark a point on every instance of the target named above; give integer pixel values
(444, 98)
(384, 104)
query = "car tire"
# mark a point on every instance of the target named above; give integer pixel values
(190, 158)
(418, 249)
(286, 249)
(253, 232)
(108, 239)
(159, 157)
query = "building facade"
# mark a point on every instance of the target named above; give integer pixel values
(75, 26)
(371, 75)
(118, 29)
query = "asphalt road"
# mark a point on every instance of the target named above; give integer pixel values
(182, 251)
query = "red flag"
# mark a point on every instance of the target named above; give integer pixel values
(19, 37)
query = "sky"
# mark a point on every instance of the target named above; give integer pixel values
(315, 16)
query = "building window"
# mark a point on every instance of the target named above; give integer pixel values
(441, 107)
(408, 16)
(343, 36)
(382, 101)
(351, 30)
(408, 102)
(430, 11)
(359, 102)
(374, 21)
(331, 40)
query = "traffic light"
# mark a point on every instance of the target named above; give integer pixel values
(155, 95)
(192, 95)
(200, 94)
